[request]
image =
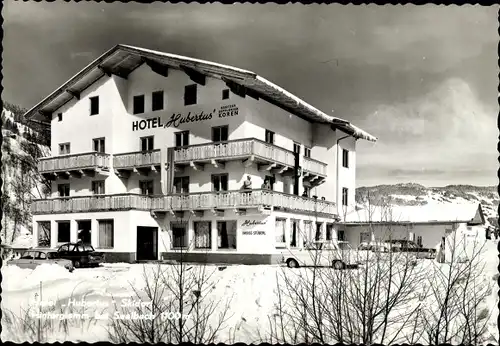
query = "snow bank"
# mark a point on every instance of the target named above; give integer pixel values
(15, 278)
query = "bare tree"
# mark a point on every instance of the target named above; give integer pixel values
(181, 302)
(455, 311)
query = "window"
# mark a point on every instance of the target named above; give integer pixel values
(181, 185)
(295, 234)
(345, 158)
(341, 235)
(138, 104)
(219, 182)
(271, 179)
(296, 147)
(329, 231)
(307, 152)
(225, 94)
(344, 196)
(182, 138)
(59, 116)
(98, 187)
(226, 234)
(41, 255)
(280, 227)
(63, 232)
(147, 143)
(99, 145)
(94, 105)
(220, 133)
(157, 101)
(146, 187)
(307, 231)
(365, 237)
(202, 235)
(28, 255)
(190, 94)
(318, 234)
(179, 235)
(106, 234)
(64, 148)
(63, 190)
(44, 234)
(269, 137)
(419, 241)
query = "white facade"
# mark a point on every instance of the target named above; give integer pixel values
(123, 199)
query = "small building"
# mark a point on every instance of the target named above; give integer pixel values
(425, 225)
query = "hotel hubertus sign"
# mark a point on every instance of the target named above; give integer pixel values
(178, 118)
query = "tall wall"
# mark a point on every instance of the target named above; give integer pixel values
(115, 122)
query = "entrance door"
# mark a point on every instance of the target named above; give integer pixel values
(84, 231)
(147, 243)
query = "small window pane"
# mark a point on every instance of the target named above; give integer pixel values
(157, 100)
(94, 105)
(190, 94)
(138, 104)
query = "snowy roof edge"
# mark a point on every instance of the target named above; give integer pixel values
(338, 122)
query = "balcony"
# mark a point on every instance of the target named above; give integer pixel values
(217, 202)
(314, 172)
(267, 156)
(94, 203)
(139, 162)
(76, 165)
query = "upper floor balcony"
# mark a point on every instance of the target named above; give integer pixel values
(94, 203)
(138, 162)
(241, 200)
(75, 165)
(199, 203)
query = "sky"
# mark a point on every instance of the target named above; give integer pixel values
(422, 79)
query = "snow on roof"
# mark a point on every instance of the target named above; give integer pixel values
(435, 212)
(123, 59)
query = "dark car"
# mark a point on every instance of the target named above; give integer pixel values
(82, 255)
(404, 245)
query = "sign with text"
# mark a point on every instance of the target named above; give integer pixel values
(178, 119)
(253, 223)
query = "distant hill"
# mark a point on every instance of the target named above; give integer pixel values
(416, 194)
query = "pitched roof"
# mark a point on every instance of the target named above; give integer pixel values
(121, 60)
(429, 213)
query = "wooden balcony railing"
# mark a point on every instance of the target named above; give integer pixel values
(314, 166)
(79, 204)
(73, 162)
(136, 159)
(195, 201)
(246, 199)
(234, 149)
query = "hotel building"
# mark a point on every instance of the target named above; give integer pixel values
(156, 154)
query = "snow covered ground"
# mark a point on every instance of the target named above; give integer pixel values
(251, 291)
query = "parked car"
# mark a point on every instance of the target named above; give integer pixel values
(372, 251)
(374, 247)
(321, 253)
(82, 255)
(403, 245)
(35, 257)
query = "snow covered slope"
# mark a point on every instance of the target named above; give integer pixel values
(21, 181)
(419, 195)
